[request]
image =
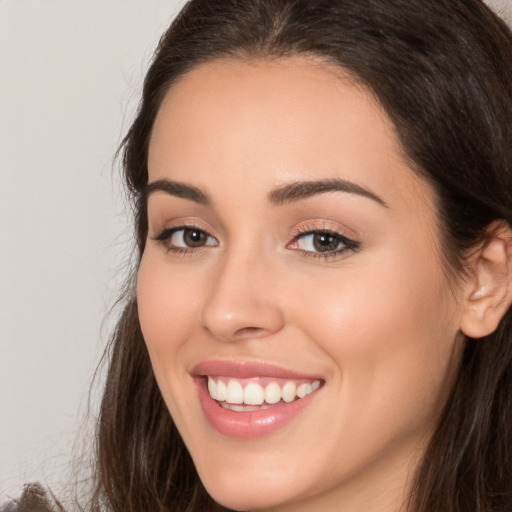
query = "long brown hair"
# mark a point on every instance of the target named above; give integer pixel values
(442, 69)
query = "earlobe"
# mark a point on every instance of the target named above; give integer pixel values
(489, 290)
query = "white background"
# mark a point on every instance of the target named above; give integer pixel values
(70, 78)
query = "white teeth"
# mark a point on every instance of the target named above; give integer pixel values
(255, 395)
(304, 389)
(234, 392)
(243, 407)
(212, 388)
(221, 392)
(289, 391)
(272, 393)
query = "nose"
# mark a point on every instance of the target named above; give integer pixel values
(241, 301)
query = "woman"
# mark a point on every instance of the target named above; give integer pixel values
(321, 318)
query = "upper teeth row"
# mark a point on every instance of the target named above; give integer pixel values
(254, 394)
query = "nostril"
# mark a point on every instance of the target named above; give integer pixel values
(250, 332)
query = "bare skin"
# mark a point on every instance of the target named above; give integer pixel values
(371, 312)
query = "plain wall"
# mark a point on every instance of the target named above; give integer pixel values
(70, 78)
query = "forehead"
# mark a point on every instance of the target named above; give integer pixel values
(263, 123)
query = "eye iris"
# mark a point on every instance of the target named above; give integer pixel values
(324, 242)
(194, 238)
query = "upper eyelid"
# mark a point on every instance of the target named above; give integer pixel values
(164, 236)
(323, 226)
(348, 240)
(303, 228)
(171, 227)
(166, 233)
(320, 230)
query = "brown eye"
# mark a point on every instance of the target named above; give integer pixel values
(320, 241)
(194, 237)
(325, 242)
(185, 238)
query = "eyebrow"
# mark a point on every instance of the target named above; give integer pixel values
(177, 189)
(303, 189)
(285, 194)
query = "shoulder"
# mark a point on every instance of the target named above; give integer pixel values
(34, 498)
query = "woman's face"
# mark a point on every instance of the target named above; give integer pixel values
(293, 252)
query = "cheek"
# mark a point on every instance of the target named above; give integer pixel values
(391, 331)
(166, 307)
(410, 299)
(167, 304)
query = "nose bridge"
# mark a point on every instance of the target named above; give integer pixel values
(241, 301)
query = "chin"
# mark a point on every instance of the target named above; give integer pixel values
(243, 492)
(246, 499)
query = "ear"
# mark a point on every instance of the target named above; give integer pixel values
(489, 289)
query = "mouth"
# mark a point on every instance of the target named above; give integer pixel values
(247, 400)
(258, 393)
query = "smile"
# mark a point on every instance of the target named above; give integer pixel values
(251, 400)
(258, 393)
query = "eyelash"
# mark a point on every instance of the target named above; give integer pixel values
(347, 244)
(165, 235)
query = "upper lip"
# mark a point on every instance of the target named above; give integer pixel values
(246, 370)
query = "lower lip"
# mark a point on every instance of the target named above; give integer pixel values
(249, 424)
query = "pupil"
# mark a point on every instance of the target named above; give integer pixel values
(194, 238)
(324, 242)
